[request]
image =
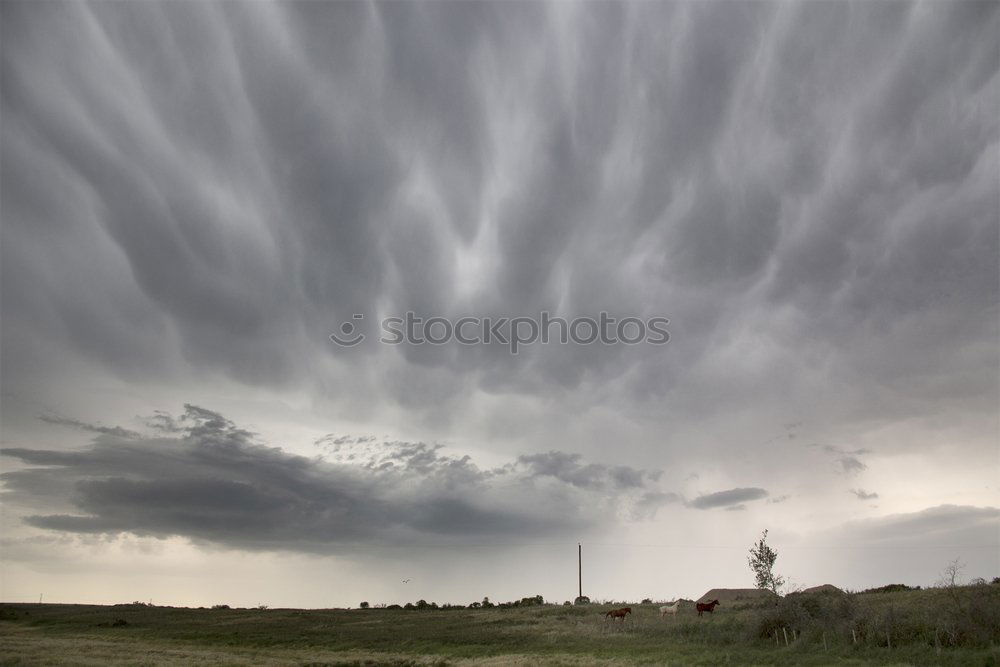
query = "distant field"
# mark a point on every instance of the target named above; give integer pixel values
(957, 626)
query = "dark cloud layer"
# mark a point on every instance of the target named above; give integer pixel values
(215, 483)
(732, 499)
(93, 428)
(946, 527)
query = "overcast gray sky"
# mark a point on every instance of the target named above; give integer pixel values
(196, 195)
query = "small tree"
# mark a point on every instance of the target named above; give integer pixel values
(951, 574)
(761, 562)
(364, 605)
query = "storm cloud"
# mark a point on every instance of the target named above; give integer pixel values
(731, 499)
(235, 180)
(94, 428)
(215, 483)
(196, 195)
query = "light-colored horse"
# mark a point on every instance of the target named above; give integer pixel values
(670, 609)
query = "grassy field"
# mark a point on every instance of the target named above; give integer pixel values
(955, 626)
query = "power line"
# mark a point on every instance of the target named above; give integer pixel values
(802, 546)
(639, 545)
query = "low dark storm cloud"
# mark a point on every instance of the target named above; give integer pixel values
(93, 428)
(807, 190)
(731, 499)
(213, 482)
(568, 468)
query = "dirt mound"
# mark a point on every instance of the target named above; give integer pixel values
(824, 588)
(734, 594)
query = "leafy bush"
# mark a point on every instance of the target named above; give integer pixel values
(970, 617)
(892, 588)
(951, 617)
(523, 602)
(789, 613)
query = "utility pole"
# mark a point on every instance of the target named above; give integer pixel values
(579, 563)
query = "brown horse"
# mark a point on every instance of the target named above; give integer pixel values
(619, 613)
(709, 607)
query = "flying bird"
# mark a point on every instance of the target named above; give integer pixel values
(406, 581)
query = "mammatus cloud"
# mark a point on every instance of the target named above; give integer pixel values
(507, 158)
(731, 499)
(213, 482)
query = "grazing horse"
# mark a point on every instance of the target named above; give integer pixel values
(670, 609)
(709, 607)
(619, 613)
